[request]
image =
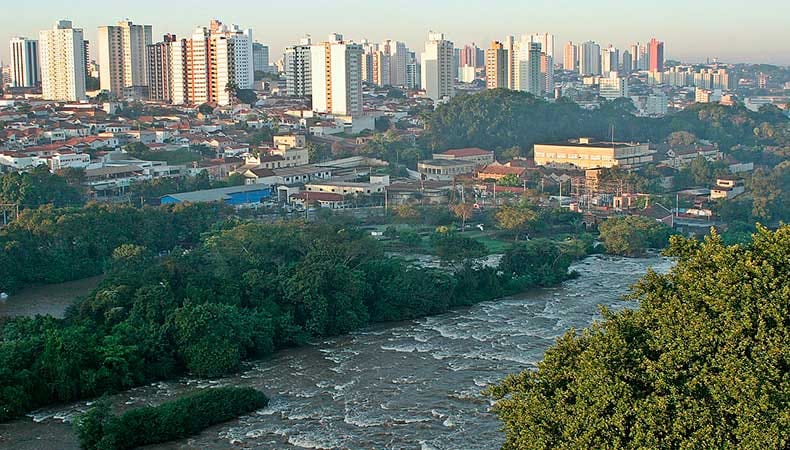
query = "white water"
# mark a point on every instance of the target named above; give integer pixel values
(414, 385)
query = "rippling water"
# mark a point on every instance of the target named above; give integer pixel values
(410, 385)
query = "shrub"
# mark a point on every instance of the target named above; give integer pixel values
(99, 429)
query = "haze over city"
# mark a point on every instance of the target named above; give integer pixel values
(435, 225)
(731, 30)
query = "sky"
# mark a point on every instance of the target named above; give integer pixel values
(693, 31)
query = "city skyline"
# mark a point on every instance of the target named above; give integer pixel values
(692, 33)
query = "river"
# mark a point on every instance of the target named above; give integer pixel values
(411, 385)
(47, 299)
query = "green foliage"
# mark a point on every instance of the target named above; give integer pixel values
(516, 218)
(538, 262)
(770, 200)
(701, 364)
(510, 180)
(247, 96)
(245, 290)
(36, 188)
(500, 119)
(99, 429)
(632, 235)
(452, 247)
(50, 245)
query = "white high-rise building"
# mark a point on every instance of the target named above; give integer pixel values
(546, 41)
(298, 76)
(512, 49)
(62, 55)
(399, 57)
(613, 86)
(589, 58)
(529, 77)
(336, 69)
(122, 56)
(610, 60)
(437, 67)
(25, 66)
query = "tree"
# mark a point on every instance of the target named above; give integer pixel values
(632, 235)
(700, 364)
(515, 218)
(247, 96)
(464, 211)
(681, 138)
(206, 109)
(510, 180)
(232, 89)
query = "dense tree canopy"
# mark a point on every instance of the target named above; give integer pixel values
(701, 364)
(632, 235)
(49, 245)
(36, 188)
(247, 290)
(500, 119)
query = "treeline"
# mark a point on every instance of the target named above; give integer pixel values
(701, 364)
(245, 292)
(100, 429)
(501, 119)
(39, 187)
(51, 245)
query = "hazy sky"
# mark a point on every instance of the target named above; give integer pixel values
(732, 30)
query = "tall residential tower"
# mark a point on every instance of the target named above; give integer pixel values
(62, 54)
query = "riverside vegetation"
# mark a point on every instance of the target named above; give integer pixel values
(246, 290)
(99, 429)
(701, 364)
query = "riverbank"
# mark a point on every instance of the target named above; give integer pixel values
(400, 385)
(47, 299)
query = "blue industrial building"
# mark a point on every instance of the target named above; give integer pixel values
(234, 195)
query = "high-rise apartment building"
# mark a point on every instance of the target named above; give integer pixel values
(337, 77)
(122, 56)
(547, 72)
(211, 61)
(656, 56)
(437, 67)
(160, 68)
(626, 66)
(610, 60)
(470, 56)
(496, 66)
(413, 72)
(589, 58)
(546, 41)
(62, 56)
(381, 68)
(511, 47)
(530, 78)
(25, 67)
(570, 59)
(398, 55)
(297, 69)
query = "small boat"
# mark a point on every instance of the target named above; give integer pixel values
(3, 296)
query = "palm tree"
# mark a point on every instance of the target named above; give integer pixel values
(231, 88)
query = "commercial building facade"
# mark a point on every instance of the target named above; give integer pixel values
(586, 153)
(25, 66)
